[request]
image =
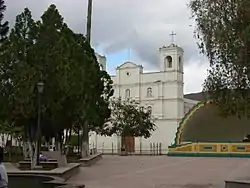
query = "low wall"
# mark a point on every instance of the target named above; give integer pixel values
(90, 160)
(37, 181)
(237, 184)
(213, 149)
(61, 172)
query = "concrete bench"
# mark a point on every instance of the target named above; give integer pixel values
(50, 160)
(49, 165)
(92, 159)
(24, 165)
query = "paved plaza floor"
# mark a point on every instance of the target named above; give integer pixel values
(162, 172)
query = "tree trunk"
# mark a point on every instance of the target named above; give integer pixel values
(85, 140)
(123, 148)
(58, 146)
(123, 141)
(32, 154)
(19, 146)
(26, 150)
(6, 143)
(78, 147)
(3, 140)
(10, 148)
(56, 143)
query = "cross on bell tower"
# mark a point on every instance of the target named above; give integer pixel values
(172, 34)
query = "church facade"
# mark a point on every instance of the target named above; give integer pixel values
(160, 91)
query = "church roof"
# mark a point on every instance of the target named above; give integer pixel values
(128, 64)
(201, 96)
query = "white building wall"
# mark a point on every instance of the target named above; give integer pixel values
(167, 100)
(164, 134)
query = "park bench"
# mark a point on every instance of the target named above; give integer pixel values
(46, 165)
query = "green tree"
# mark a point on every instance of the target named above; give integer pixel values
(75, 89)
(9, 132)
(128, 118)
(18, 94)
(223, 33)
(4, 25)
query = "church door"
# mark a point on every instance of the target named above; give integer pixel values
(129, 143)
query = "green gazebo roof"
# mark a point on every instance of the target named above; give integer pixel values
(203, 123)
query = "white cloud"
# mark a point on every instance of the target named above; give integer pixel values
(194, 75)
(143, 25)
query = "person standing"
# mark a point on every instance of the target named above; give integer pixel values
(3, 172)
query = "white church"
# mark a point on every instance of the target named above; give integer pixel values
(161, 91)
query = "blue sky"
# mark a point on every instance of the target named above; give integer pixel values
(118, 58)
(115, 59)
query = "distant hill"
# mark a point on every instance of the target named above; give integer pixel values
(196, 96)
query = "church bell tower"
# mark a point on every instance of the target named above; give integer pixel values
(171, 58)
(171, 67)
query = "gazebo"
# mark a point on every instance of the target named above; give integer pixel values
(203, 131)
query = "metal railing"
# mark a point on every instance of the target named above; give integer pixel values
(154, 148)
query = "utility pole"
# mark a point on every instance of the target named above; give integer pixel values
(89, 20)
(85, 127)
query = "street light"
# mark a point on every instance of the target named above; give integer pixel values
(40, 86)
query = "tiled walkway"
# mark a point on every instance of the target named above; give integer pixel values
(162, 172)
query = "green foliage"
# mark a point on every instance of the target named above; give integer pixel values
(73, 140)
(4, 26)
(128, 118)
(75, 89)
(223, 33)
(13, 157)
(101, 111)
(9, 129)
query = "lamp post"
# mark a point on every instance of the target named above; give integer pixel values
(40, 86)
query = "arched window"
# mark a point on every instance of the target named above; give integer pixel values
(149, 92)
(180, 64)
(127, 93)
(169, 61)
